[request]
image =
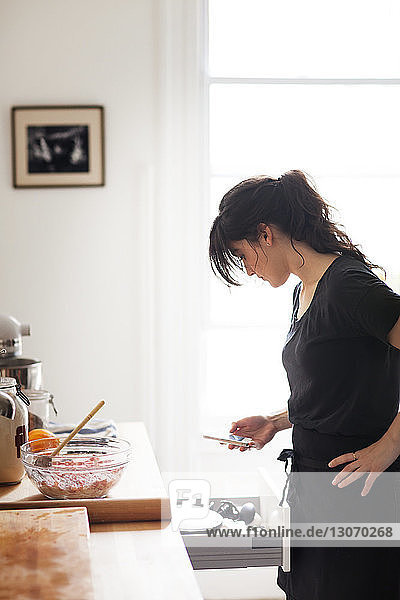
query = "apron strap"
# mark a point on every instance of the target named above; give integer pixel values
(289, 453)
(285, 455)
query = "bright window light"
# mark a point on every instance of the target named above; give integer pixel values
(351, 130)
(344, 134)
(265, 38)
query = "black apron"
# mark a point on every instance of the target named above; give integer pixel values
(345, 572)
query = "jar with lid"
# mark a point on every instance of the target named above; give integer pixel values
(39, 409)
(13, 430)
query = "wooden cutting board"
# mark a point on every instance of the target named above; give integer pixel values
(140, 494)
(44, 555)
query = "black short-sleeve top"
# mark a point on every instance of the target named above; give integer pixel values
(344, 375)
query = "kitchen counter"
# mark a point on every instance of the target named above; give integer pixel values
(144, 560)
(140, 560)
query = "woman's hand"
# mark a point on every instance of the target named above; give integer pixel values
(373, 459)
(260, 429)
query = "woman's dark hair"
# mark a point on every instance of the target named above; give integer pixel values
(292, 204)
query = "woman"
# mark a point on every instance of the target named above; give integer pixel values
(342, 361)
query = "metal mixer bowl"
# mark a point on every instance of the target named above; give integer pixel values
(27, 370)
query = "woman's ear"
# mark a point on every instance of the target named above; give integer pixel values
(263, 231)
(267, 238)
(267, 233)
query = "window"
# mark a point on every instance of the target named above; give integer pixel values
(309, 85)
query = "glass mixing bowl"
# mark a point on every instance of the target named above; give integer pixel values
(84, 468)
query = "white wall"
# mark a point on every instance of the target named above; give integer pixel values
(70, 259)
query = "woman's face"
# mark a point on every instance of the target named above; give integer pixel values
(265, 258)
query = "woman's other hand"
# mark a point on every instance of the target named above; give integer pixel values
(260, 429)
(373, 459)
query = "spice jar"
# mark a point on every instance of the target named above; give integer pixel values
(39, 409)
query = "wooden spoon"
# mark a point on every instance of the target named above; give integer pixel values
(45, 460)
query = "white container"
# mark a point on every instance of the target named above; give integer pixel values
(13, 431)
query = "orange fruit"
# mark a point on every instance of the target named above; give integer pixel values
(42, 439)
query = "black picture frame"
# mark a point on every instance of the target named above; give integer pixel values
(58, 146)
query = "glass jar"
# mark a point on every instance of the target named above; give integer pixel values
(39, 409)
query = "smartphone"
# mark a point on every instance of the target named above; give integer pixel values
(235, 440)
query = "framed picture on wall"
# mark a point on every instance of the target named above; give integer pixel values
(57, 146)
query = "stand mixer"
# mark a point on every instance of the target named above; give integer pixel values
(28, 371)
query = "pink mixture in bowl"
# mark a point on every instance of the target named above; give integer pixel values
(85, 468)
